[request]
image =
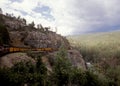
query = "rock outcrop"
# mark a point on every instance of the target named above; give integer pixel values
(12, 23)
(76, 59)
(22, 35)
(37, 39)
(11, 59)
(73, 55)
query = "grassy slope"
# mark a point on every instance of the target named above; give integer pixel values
(98, 46)
(110, 37)
(103, 51)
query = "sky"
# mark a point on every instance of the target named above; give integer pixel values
(70, 17)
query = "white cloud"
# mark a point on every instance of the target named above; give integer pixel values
(71, 16)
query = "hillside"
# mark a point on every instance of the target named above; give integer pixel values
(108, 37)
(106, 44)
(27, 35)
(58, 67)
(63, 66)
(15, 32)
(102, 50)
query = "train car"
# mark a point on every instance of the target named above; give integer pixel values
(44, 49)
(48, 49)
(7, 49)
(16, 49)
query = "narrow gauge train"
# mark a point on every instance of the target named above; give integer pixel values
(8, 49)
(17, 49)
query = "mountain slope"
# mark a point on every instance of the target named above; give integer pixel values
(97, 46)
(28, 36)
(102, 50)
(109, 37)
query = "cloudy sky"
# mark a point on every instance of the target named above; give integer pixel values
(69, 16)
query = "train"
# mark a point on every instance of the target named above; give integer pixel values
(10, 49)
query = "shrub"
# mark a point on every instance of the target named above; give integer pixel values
(61, 68)
(4, 35)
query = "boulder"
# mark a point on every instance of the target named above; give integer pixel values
(74, 57)
(10, 59)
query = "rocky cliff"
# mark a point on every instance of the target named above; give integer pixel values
(22, 35)
(37, 39)
(73, 55)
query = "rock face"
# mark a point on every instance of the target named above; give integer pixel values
(13, 23)
(37, 39)
(22, 35)
(73, 55)
(11, 59)
(76, 59)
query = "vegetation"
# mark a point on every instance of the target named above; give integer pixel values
(4, 35)
(97, 46)
(24, 73)
(102, 51)
(62, 74)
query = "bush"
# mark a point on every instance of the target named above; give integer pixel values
(62, 74)
(4, 35)
(78, 77)
(61, 68)
(24, 73)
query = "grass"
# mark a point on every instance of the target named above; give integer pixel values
(97, 46)
(102, 50)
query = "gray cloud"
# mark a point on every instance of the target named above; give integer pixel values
(94, 15)
(69, 16)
